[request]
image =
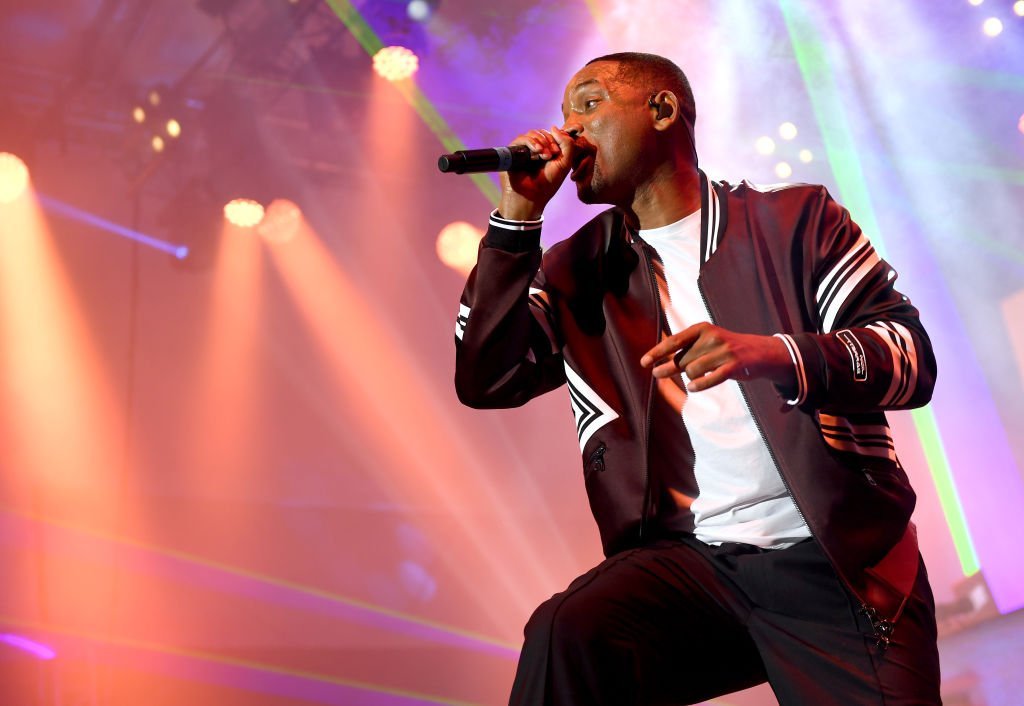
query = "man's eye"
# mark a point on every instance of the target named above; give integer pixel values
(590, 103)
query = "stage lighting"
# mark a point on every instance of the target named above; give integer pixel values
(281, 222)
(157, 143)
(765, 145)
(154, 97)
(13, 177)
(421, 10)
(395, 63)
(457, 245)
(783, 170)
(173, 128)
(806, 156)
(1018, 8)
(787, 131)
(975, 2)
(244, 213)
(139, 114)
(993, 27)
(1020, 124)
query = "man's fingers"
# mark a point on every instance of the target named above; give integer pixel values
(673, 345)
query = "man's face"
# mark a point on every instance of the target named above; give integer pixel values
(614, 125)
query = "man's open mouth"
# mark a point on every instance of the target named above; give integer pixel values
(581, 166)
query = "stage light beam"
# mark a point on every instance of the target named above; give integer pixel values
(281, 222)
(173, 128)
(1018, 8)
(787, 131)
(395, 63)
(13, 177)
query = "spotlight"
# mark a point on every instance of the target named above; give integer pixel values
(806, 156)
(139, 114)
(975, 2)
(157, 143)
(173, 128)
(765, 145)
(787, 131)
(13, 177)
(244, 213)
(457, 245)
(1018, 8)
(421, 10)
(281, 222)
(154, 97)
(395, 63)
(783, 170)
(993, 27)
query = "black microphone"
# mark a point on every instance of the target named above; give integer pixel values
(517, 158)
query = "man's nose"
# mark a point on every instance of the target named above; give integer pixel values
(574, 129)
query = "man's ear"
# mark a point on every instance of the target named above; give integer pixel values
(666, 107)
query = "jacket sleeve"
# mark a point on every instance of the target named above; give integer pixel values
(870, 352)
(507, 350)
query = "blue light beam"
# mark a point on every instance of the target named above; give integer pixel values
(67, 210)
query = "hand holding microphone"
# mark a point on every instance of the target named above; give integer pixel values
(533, 168)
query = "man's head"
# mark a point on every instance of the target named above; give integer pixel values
(633, 113)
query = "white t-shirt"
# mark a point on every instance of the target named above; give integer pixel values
(741, 496)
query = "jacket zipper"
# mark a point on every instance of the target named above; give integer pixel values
(650, 392)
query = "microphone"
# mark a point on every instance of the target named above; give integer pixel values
(516, 158)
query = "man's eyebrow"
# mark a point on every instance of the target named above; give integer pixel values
(577, 87)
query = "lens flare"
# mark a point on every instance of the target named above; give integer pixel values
(993, 27)
(244, 213)
(457, 245)
(395, 63)
(765, 145)
(13, 177)
(281, 222)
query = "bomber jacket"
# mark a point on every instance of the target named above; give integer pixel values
(784, 260)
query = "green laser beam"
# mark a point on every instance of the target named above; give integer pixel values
(368, 39)
(841, 148)
(262, 578)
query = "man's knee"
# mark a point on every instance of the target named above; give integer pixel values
(569, 622)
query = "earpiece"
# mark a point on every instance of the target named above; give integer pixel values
(663, 108)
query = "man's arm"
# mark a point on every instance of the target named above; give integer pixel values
(870, 352)
(507, 349)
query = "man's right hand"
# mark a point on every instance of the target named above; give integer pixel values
(525, 194)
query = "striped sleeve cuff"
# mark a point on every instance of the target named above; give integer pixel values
(513, 236)
(798, 365)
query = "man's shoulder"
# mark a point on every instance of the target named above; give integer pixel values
(589, 240)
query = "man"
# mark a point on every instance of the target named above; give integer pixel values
(729, 351)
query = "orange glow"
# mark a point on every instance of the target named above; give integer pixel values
(457, 245)
(225, 393)
(395, 63)
(424, 457)
(13, 177)
(62, 423)
(281, 222)
(244, 213)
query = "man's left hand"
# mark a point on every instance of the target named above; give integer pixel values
(710, 355)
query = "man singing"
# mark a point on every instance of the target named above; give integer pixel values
(729, 351)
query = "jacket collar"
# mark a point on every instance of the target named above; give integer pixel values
(713, 217)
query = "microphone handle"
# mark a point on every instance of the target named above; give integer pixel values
(516, 158)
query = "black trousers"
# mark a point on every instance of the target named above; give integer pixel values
(679, 622)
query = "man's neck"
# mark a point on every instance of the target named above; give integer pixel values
(670, 195)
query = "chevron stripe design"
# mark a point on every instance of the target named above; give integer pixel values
(590, 410)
